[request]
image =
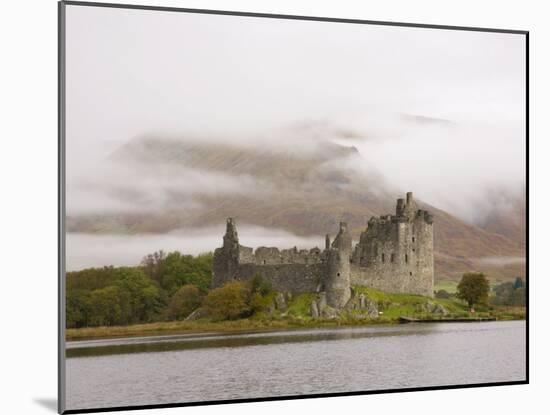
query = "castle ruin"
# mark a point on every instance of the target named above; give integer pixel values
(394, 254)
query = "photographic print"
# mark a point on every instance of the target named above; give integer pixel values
(261, 207)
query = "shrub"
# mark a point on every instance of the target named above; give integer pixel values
(259, 285)
(229, 302)
(443, 294)
(259, 303)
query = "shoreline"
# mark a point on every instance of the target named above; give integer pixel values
(199, 327)
(205, 327)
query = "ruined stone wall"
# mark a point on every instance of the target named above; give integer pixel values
(293, 270)
(295, 278)
(273, 256)
(298, 271)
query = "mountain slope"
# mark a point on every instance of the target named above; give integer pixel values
(305, 188)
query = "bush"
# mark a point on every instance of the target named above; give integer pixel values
(228, 302)
(259, 285)
(443, 294)
(509, 293)
(183, 302)
(259, 303)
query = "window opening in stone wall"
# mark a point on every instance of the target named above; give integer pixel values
(338, 274)
(392, 258)
(383, 258)
(406, 258)
(413, 238)
(411, 274)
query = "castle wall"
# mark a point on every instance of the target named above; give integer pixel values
(273, 256)
(394, 254)
(298, 271)
(296, 278)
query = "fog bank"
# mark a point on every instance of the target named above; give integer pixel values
(93, 250)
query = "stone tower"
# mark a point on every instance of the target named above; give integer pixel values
(395, 252)
(226, 259)
(337, 273)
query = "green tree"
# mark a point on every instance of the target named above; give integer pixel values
(179, 270)
(183, 302)
(129, 295)
(508, 293)
(78, 308)
(138, 295)
(105, 309)
(90, 278)
(229, 302)
(153, 264)
(518, 283)
(503, 293)
(473, 288)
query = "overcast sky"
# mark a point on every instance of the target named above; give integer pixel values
(135, 72)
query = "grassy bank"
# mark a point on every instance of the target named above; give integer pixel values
(297, 315)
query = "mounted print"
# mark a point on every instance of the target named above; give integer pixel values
(258, 207)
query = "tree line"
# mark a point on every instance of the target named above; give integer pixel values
(162, 287)
(171, 287)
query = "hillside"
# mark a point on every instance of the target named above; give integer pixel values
(510, 220)
(305, 189)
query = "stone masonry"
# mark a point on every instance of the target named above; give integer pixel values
(394, 254)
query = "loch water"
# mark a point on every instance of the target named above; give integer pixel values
(190, 368)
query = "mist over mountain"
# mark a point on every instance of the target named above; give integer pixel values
(301, 180)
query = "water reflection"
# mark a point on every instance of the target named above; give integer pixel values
(198, 341)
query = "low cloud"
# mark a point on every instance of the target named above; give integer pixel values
(93, 250)
(114, 187)
(500, 261)
(470, 170)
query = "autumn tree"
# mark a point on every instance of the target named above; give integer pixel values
(229, 302)
(183, 302)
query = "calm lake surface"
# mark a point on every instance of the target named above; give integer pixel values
(186, 368)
